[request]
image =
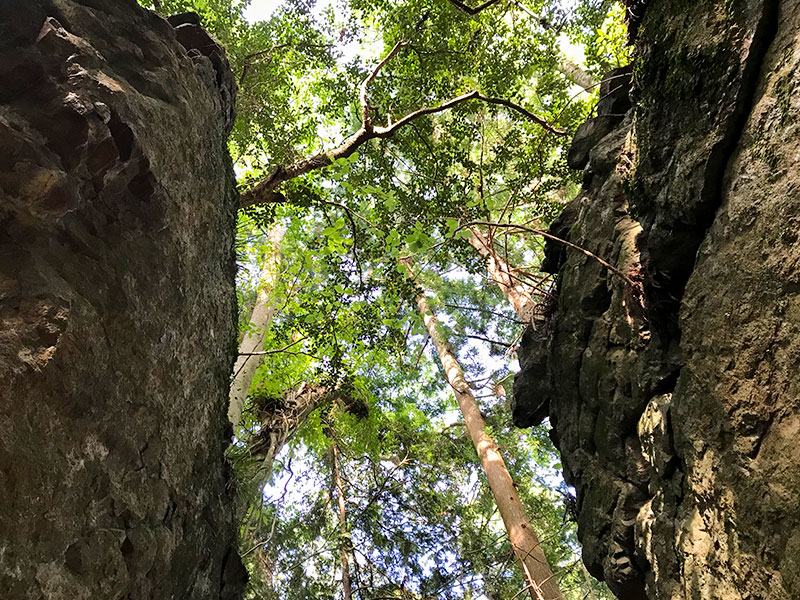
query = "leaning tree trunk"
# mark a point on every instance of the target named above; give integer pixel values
(117, 305)
(539, 578)
(253, 341)
(517, 294)
(278, 425)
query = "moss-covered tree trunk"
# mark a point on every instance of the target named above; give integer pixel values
(117, 305)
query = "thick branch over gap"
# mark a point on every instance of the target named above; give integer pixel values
(266, 191)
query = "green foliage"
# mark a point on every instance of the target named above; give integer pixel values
(421, 521)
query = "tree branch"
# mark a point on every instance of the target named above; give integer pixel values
(366, 122)
(566, 67)
(278, 351)
(266, 191)
(483, 339)
(471, 10)
(250, 58)
(550, 236)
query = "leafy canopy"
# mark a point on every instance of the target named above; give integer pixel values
(421, 521)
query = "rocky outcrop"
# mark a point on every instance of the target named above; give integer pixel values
(117, 306)
(675, 401)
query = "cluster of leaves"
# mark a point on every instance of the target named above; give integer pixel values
(420, 523)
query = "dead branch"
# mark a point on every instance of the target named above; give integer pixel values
(549, 236)
(251, 58)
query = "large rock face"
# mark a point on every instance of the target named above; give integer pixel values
(676, 401)
(117, 330)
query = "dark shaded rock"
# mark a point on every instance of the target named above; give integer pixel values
(117, 306)
(555, 254)
(530, 403)
(204, 48)
(676, 407)
(586, 137)
(697, 73)
(614, 103)
(615, 97)
(187, 18)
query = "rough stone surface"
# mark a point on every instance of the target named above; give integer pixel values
(117, 307)
(614, 103)
(677, 406)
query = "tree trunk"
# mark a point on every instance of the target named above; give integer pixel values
(117, 213)
(538, 575)
(590, 595)
(576, 74)
(246, 365)
(502, 274)
(344, 534)
(278, 426)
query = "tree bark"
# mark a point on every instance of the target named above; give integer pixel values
(502, 274)
(588, 579)
(540, 580)
(279, 426)
(576, 74)
(247, 363)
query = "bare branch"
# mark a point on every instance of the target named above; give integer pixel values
(250, 58)
(483, 339)
(278, 351)
(549, 236)
(483, 310)
(523, 111)
(362, 96)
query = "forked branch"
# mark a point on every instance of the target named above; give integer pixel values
(266, 191)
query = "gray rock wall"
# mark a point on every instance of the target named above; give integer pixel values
(676, 402)
(117, 306)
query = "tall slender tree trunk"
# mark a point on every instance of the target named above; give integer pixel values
(538, 575)
(588, 579)
(343, 532)
(245, 368)
(502, 274)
